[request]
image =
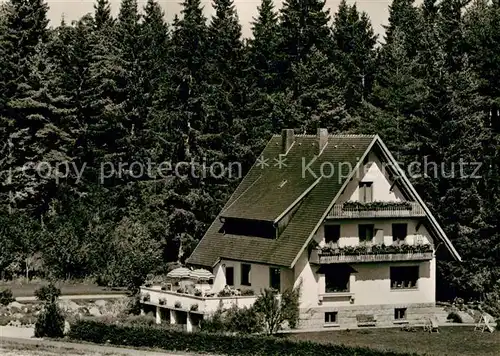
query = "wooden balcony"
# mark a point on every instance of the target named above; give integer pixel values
(370, 210)
(350, 255)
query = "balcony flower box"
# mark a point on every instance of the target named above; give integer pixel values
(372, 253)
(376, 205)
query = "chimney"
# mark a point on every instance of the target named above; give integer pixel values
(287, 138)
(322, 139)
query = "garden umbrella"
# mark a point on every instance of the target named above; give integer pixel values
(201, 274)
(179, 273)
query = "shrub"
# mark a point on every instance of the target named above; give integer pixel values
(197, 292)
(162, 301)
(455, 317)
(6, 297)
(134, 304)
(243, 320)
(275, 312)
(48, 293)
(140, 320)
(177, 304)
(193, 307)
(180, 290)
(146, 297)
(163, 287)
(201, 342)
(50, 322)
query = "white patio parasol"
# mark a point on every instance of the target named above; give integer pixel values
(179, 273)
(201, 274)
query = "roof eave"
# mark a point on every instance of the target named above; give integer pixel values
(417, 197)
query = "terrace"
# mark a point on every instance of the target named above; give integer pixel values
(193, 301)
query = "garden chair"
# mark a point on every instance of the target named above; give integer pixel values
(485, 323)
(431, 325)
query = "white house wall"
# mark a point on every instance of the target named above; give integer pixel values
(374, 172)
(383, 229)
(259, 276)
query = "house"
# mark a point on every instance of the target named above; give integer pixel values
(336, 214)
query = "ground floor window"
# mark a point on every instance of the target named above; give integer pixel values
(331, 317)
(404, 277)
(337, 279)
(400, 314)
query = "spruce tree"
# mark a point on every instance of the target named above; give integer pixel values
(317, 95)
(102, 14)
(404, 17)
(354, 50)
(262, 79)
(179, 120)
(22, 43)
(303, 24)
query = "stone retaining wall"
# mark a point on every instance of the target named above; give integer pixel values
(314, 318)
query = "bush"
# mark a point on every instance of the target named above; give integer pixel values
(6, 297)
(275, 311)
(455, 317)
(50, 322)
(134, 304)
(154, 337)
(178, 304)
(243, 320)
(48, 293)
(193, 307)
(247, 292)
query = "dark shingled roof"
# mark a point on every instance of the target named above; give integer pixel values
(260, 197)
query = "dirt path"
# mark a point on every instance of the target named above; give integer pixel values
(77, 297)
(24, 346)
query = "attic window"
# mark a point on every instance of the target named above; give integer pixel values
(282, 184)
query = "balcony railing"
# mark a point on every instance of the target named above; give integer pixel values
(351, 210)
(186, 302)
(378, 253)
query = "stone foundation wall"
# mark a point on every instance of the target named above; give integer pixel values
(314, 318)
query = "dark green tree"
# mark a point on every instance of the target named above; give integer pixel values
(303, 24)
(354, 50)
(102, 14)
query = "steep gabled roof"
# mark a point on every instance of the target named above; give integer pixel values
(311, 189)
(260, 197)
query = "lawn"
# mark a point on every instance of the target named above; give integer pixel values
(451, 341)
(22, 288)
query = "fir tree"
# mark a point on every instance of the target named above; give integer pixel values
(354, 43)
(102, 14)
(262, 79)
(303, 24)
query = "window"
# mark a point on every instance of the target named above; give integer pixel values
(331, 318)
(400, 314)
(366, 232)
(230, 276)
(275, 278)
(332, 233)
(245, 274)
(399, 232)
(366, 192)
(337, 279)
(404, 277)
